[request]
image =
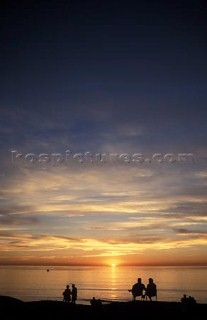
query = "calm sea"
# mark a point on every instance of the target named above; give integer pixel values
(106, 283)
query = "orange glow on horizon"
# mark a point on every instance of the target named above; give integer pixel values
(150, 258)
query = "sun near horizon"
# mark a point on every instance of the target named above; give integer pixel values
(124, 261)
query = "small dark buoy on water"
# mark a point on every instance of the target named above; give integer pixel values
(48, 270)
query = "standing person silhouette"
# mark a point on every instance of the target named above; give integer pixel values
(151, 290)
(74, 293)
(66, 294)
(138, 289)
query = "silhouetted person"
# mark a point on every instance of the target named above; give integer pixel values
(74, 293)
(151, 290)
(93, 302)
(191, 300)
(184, 301)
(96, 303)
(66, 294)
(138, 289)
(184, 298)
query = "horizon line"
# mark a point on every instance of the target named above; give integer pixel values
(102, 265)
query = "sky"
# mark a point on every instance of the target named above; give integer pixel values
(103, 132)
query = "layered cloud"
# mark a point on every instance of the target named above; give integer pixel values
(94, 211)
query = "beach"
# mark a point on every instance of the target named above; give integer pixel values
(12, 307)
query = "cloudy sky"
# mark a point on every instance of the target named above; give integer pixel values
(99, 102)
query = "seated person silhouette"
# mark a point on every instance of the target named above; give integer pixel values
(191, 300)
(151, 290)
(184, 298)
(66, 294)
(96, 303)
(138, 289)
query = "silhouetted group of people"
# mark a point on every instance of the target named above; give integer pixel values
(188, 300)
(70, 295)
(137, 290)
(145, 292)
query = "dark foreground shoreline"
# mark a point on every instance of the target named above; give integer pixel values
(12, 308)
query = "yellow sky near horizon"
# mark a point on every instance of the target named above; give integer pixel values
(103, 216)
